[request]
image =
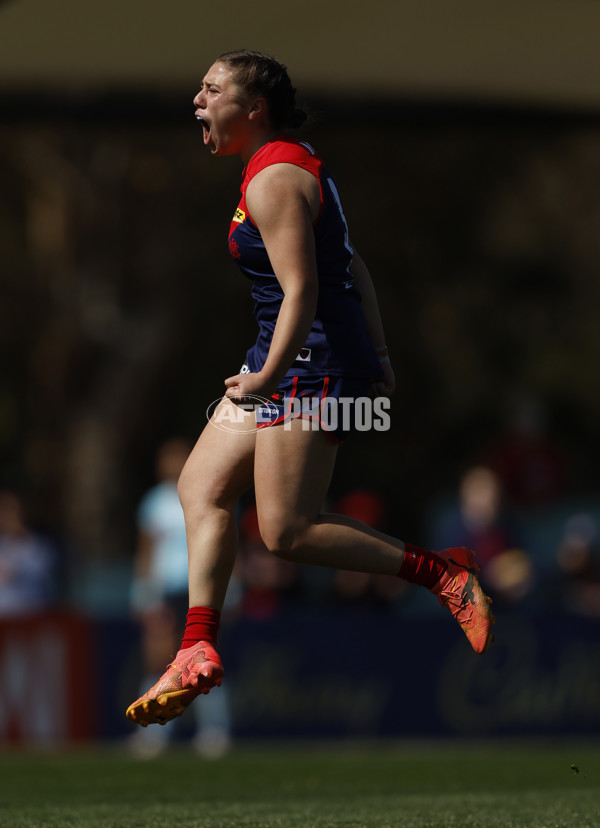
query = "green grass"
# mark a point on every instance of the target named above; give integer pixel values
(314, 786)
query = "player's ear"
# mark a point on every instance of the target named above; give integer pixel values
(258, 109)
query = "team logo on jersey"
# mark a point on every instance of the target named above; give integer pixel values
(234, 248)
(239, 216)
(304, 355)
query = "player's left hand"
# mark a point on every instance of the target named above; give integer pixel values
(384, 385)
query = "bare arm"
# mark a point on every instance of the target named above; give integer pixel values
(281, 200)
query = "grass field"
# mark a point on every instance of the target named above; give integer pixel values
(377, 785)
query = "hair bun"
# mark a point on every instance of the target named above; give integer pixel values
(297, 118)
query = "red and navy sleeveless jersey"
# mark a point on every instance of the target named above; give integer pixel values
(338, 343)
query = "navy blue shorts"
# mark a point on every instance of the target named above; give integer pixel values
(336, 405)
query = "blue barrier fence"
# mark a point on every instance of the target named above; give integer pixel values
(316, 673)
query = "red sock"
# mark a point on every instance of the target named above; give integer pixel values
(202, 624)
(421, 567)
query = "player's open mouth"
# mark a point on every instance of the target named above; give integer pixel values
(205, 128)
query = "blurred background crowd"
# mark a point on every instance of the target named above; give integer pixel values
(478, 214)
(117, 285)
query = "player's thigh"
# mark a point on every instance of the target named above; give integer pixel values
(292, 472)
(220, 467)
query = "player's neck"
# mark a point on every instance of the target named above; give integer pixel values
(259, 141)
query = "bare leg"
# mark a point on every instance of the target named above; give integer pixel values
(218, 471)
(293, 470)
(292, 473)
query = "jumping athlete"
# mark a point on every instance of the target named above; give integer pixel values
(320, 338)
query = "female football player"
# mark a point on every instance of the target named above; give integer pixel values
(321, 351)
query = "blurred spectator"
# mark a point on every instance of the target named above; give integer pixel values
(159, 601)
(478, 519)
(482, 521)
(28, 563)
(529, 462)
(576, 587)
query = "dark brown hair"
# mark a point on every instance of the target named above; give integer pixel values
(261, 75)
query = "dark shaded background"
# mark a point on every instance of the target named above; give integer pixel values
(464, 138)
(121, 312)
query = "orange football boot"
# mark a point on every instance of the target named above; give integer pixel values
(458, 590)
(194, 671)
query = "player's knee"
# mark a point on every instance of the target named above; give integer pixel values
(196, 498)
(281, 538)
(280, 544)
